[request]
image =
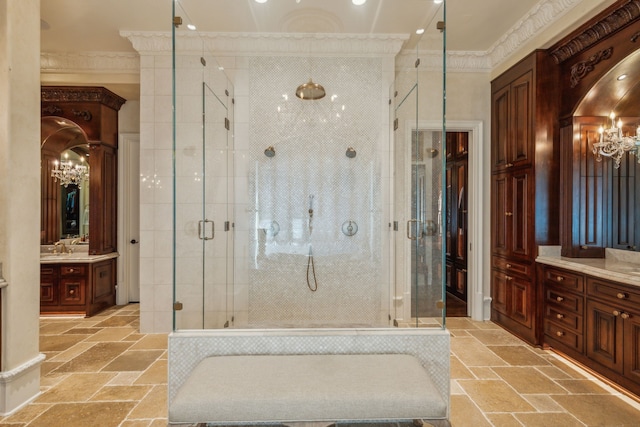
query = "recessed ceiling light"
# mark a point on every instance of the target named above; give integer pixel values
(622, 76)
(191, 27)
(437, 1)
(358, 2)
(420, 31)
(260, 1)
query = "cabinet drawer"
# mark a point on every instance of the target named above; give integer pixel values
(564, 336)
(512, 266)
(73, 270)
(565, 301)
(613, 292)
(563, 318)
(568, 280)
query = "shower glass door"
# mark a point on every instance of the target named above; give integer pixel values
(202, 181)
(419, 297)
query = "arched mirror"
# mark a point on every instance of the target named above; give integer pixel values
(65, 181)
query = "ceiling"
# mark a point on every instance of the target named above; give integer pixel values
(94, 25)
(90, 26)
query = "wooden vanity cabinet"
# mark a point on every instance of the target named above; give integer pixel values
(524, 194)
(594, 321)
(83, 288)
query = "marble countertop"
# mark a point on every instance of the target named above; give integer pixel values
(74, 258)
(618, 265)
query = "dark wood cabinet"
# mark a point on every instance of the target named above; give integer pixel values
(83, 288)
(625, 194)
(456, 176)
(524, 194)
(594, 321)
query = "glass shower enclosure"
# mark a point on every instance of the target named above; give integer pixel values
(307, 213)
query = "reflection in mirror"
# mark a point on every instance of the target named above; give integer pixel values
(73, 175)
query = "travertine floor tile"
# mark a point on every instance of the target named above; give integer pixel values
(472, 353)
(75, 388)
(599, 410)
(465, 414)
(548, 420)
(151, 342)
(102, 414)
(133, 360)
(528, 381)
(458, 370)
(503, 420)
(543, 403)
(156, 374)
(495, 337)
(112, 334)
(154, 404)
(495, 396)
(59, 342)
(482, 373)
(94, 358)
(582, 387)
(518, 355)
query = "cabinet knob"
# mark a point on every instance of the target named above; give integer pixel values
(584, 247)
(71, 270)
(625, 315)
(616, 313)
(509, 165)
(559, 299)
(560, 316)
(559, 278)
(72, 291)
(621, 295)
(508, 213)
(508, 265)
(508, 277)
(560, 333)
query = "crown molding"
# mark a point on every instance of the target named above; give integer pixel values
(97, 62)
(269, 44)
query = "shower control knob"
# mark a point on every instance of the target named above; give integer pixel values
(349, 228)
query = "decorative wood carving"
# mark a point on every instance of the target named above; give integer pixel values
(82, 94)
(597, 31)
(51, 110)
(83, 114)
(582, 68)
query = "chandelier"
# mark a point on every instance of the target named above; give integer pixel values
(613, 144)
(69, 173)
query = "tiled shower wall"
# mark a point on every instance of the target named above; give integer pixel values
(304, 270)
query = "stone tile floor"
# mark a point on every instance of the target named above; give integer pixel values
(102, 372)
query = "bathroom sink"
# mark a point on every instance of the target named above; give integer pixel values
(64, 257)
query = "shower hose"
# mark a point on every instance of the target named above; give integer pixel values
(311, 267)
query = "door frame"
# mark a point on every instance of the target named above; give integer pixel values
(129, 260)
(475, 198)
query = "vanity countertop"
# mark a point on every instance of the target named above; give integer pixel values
(75, 258)
(618, 265)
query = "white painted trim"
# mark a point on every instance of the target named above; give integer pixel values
(124, 177)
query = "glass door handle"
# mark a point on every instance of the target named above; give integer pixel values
(202, 229)
(417, 223)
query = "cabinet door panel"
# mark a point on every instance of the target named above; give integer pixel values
(72, 291)
(499, 291)
(519, 214)
(623, 198)
(604, 335)
(521, 300)
(522, 101)
(461, 212)
(632, 347)
(500, 127)
(500, 229)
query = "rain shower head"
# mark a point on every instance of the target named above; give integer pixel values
(310, 90)
(270, 151)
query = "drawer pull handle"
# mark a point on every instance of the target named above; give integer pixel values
(508, 277)
(71, 270)
(559, 299)
(559, 278)
(560, 333)
(616, 313)
(508, 265)
(625, 315)
(509, 165)
(508, 213)
(584, 247)
(560, 316)
(621, 295)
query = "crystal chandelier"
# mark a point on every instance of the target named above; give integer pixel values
(69, 173)
(613, 144)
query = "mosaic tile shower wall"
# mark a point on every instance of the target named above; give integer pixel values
(326, 268)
